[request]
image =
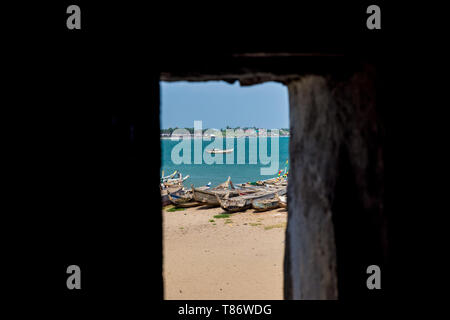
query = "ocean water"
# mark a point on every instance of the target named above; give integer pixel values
(201, 174)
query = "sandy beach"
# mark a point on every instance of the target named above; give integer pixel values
(236, 257)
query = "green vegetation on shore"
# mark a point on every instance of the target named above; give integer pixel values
(222, 216)
(280, 225)
(173, 209)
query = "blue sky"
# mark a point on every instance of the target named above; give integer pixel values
(219, 104)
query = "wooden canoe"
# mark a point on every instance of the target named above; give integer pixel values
(174, 182)
(244, 202)
(170, 176)
(183, 200)
(282, 201)
(208, 196)
(265, 204)
(241, 203)
(165, 194)
(278, 181)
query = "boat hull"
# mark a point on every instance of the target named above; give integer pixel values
(165, 200)
(204, 196)
(242, 203)
(265, 205)
(282, 201)
(209, 197)
(183, 200)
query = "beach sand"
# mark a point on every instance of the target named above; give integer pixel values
(239, 257)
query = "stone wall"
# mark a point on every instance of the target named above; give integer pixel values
(336, 227)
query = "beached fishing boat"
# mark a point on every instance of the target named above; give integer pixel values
(282, 201)
(183, 200)
(276, 189)
(278, 181)
(165, 194)
(244, 202)
(208, 196)
(170, 176)
(265, 204)
(223, 191)
(218, 151)
(178, 181)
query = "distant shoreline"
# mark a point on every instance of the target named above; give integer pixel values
(190, 137)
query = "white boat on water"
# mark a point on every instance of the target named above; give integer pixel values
(216, 151)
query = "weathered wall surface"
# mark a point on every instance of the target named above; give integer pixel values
(135, 203)
(336, 226)
(315, 136)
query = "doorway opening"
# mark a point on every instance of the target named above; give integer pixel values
(215, 133)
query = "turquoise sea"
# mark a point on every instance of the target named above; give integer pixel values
(201, 174)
